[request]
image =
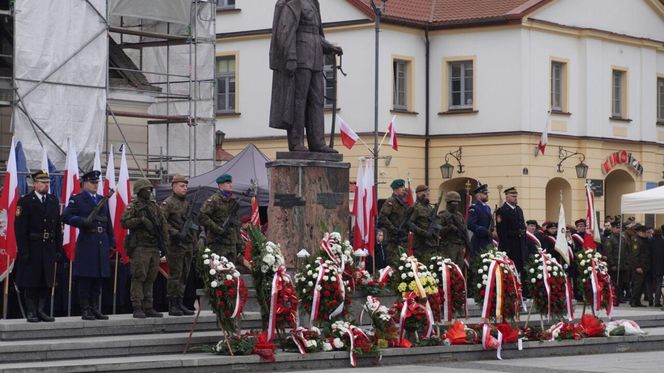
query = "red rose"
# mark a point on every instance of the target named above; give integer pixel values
(218, 292)
(231, 292)
(228, 283)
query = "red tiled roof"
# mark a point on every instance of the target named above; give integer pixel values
(441, 13)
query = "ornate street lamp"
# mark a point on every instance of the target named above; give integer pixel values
(581, 168)
(447, 169)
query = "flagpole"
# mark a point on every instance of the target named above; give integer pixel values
(5, 296)
(71, 266)
(115, 282)
(55, 271)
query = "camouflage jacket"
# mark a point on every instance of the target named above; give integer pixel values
(132, 219)
(175, 210)
(453, 229)
(391, 216)
(419, 224)
(214, 213)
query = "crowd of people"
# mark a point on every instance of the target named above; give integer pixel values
(634, 252)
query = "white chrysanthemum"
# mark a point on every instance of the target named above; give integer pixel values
(206, 261)
(533, 280)
(480, 271)
(411, 274)
(479, 286)
(333, 278)
(269, 259)
(401, 268)
(532, 270)
(327, 346)
(326, 278)
(213, 272)
(539, 276)
(403, 276)
(214, 284)
(484, 277)
(229, 277)
(583, 262)
(207, 250)
(310, 284)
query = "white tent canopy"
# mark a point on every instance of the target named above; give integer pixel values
(649, 201)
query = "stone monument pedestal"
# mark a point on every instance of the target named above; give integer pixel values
(307, 198)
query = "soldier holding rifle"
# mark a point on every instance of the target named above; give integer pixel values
(424, 225)
(179, 215)
(453, 234)
(391, 218)
(145, 241)
(219, 217)
(88, 211)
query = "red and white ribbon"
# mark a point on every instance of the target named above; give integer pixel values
(547, 286)
(315, 301)
(300, 340)
(568, 296)
(596, 286)
(488, 292)
(384, 274)
(534, 239)
(409, 301)
(236, 310)
(488, 340)
(342, 287)
(277, 282)
(447, 289)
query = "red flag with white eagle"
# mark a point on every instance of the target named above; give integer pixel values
(123, 193)
(348, 136)
(71, 186)
(8, 202)
(392, 133)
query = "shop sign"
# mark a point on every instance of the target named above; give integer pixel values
(622, 157)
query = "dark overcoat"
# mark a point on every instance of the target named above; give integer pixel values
(480, 221)
(511, 229)
(38, 239)
(93, 245)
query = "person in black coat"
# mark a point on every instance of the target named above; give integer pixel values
(39, 242)
(511, 228)
(657, 263)
(480, 221)
(93, 245)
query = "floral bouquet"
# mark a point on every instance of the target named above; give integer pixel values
(549, 286)
(274, 288)
(306, 340)
(563, 330)
(451, 287)
(384, 328)
(322, 291)
(595, 283)
(341, 253)
(498, 285)
(345, 336)
(372, 285)
(226, 290)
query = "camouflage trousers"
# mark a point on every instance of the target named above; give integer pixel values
(454, 252)
(144, 270)
(179, 264)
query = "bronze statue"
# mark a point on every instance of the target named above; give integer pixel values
(297, 53)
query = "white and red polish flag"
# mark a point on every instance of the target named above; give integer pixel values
(44, 164)
(544, 139)
(255, 216)
(8, 202)
(392, 133)
(358, 209)
(591, 220)
(370, 210)
(348, 136)
(71, 186)
(96, 166)
(123, 193)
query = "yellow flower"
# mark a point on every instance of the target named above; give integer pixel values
(412, 286)
(402, 287)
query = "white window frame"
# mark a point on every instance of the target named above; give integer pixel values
(660, 99)
(225, 79)
(618, 94)
(400, 84)
(557, 86)
(465, 93)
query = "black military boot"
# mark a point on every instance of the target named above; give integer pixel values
(86, 312)
(185, 311)
(43, 316)
(153, 313)
(174, 307)
(31, 310)
(96, 310)
(138, 313)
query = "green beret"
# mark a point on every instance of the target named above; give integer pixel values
(398, 183)
(225, 178)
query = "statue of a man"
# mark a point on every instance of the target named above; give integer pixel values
(296, 57)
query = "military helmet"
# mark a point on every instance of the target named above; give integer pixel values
(142, 184)
(452, 197)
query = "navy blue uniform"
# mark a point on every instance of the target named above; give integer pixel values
(480, 221)
(511, 229)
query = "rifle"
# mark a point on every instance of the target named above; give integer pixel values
(401, 231)
(433, 219)
(95, 211)
(189, 223)
(158, 233)
(233, 210)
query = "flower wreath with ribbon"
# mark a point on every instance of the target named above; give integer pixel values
(549, 286)
(451, 287)
(322, 291)
(595, 281)
(346, 336)
(497, 285)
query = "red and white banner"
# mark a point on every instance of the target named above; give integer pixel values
(591, 220)
(561, 238)
(392, 133)
(348, 136)
(255, 217)
(364, 208)
(123, 194)
(544, 139)
(71, 186)
(8, 200)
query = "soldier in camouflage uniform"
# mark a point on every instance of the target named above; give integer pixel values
(180, 245)
(640, 264)
(425, 243)
(219, 208)
(145, 222)
(453, 234)
(391, 216)
(611, 250)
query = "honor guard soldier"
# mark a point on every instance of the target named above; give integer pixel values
(88, 211)
(391, 218)
(423, 224)
(453, 233)
(480, 221)
(219, 217)
(145, 241)
(614, 246)
(178, 213)
(511, 229)
(640, 263)
(39, 242)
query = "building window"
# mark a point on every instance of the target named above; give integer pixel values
(328, 71)
(401, 81)
(618, 99)
(226, 88)
(558, 86)
(460, 85)
(660, 100)
(225, 4)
